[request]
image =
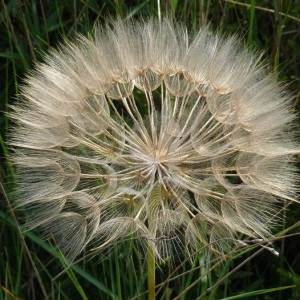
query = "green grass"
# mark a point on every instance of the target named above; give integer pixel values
(31, 268)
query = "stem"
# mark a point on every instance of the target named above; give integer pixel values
(151, 273)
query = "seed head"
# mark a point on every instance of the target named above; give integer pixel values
(146, 132)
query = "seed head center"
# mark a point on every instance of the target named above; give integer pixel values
(158, 160)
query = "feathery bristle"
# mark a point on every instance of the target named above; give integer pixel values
(204, 154)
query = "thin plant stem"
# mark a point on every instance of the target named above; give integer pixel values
(264, 9)
(158, 10)
(151, 273)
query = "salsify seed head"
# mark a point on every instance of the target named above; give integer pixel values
(146, 132)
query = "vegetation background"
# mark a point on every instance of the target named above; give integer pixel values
(28, 28)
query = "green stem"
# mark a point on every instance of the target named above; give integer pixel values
(151, 273)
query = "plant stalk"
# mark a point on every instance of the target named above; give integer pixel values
(151, 273)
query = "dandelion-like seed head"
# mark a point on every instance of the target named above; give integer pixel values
(145, 132)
